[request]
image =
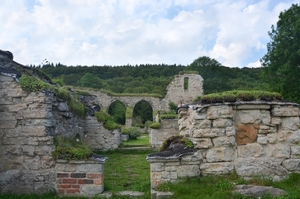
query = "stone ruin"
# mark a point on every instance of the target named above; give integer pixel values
(253, 138)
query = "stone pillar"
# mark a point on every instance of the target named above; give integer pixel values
(84, 178)
(128, 122)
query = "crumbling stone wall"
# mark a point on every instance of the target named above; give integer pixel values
(177, 93)
(26, 164)
(249, 138)
(99, 138)
(168, 128)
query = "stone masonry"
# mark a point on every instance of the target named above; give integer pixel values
(99, 138)
(26, 164)
(79, 177)
(249, 138)
(169, 127)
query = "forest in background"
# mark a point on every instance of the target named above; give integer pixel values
(154, 78)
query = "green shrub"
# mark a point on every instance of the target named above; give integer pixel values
(77, 108)
(148, 123)
(155, 125)
(110, 125)
(168, 116)
(102, 116)
(32, 84)
(133, 133)
(177, 139)
(59, 81)
(71, 149)
(63, 94)
(239, 95)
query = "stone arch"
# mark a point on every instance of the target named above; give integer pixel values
(117, 109)
(145, 112)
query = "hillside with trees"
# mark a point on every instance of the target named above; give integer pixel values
(155, 78)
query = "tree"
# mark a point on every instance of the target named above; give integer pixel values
(281, 64)
(89, 80)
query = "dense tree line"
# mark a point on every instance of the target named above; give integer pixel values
(155, 78)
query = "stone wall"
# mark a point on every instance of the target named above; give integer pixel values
(79, 177)
(26, 164)
(178, 94)
(168, 128)
(99, 138)
(250, 138)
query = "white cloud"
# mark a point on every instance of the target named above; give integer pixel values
(115, 32)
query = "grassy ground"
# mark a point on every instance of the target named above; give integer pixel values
(128, 170)
(143, 140)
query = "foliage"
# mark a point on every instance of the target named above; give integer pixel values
(89, 80)
(127, 170)
(32, 84)
(238, 95)
(281, 63)
(59, 81)
(154, 79)
(142, 112)
(111, 125)
(107, 120)
(102, 116)
(177, 139)
(168, 116)
(117, 110)
(77, 107)
(71, 149)
(133, 132)
(155, 125)
(129, 112)
(172, 107)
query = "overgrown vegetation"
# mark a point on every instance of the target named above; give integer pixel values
(239, 95)
(176, 139)
(71, 149)
(132, 132)
(107, 120)
(33, 84)
(155, 125)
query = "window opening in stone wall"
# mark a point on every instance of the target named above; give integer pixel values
(186, 83)
(142, 113)
(118, 111)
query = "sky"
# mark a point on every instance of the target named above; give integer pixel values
(121, 32)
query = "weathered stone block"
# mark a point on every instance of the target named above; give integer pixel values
(250, 150)
(246, 133)
(215, 112)
(202, 123)
(272, 138)
(188, 171)
(159, 166)
(290, 123)
(221, 154)
(221, 123)
(203, 133)
(285, 110)
(202, 143)
(248, 117)
(292, 165)
(230, 131)
(276, 120)
(218, 131)
(281, 151)
(220, 168)
(224, 141)
(265, 167)
(253, 106)
(262, 139)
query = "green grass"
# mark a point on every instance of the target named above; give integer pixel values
(142, 140)
(128, 170)
(221, 187)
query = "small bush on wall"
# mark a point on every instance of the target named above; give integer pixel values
(107, 120)
(239, 95)
(71, 149)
